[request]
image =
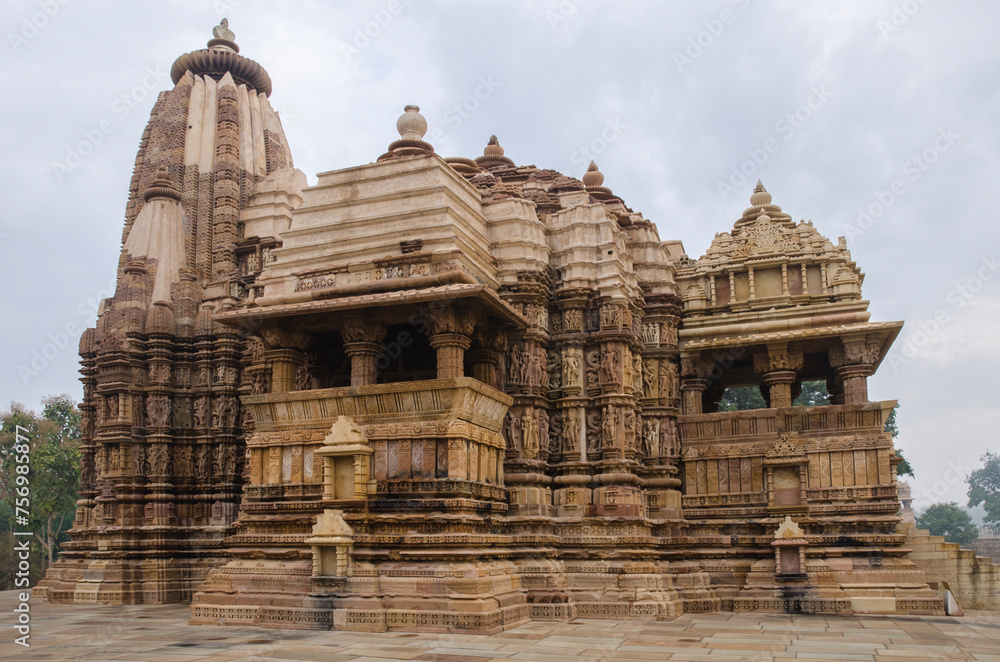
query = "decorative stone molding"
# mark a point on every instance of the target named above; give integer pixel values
(346, 457)
(789, 551)
(332, 542)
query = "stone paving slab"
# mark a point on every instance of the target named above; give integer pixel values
(160, 633)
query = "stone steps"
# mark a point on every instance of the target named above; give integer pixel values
(974, 580)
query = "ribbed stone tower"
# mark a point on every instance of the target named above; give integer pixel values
(163, 429)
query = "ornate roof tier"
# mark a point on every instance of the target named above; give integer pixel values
(220, 56)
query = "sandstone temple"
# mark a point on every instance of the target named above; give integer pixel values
(457, 394)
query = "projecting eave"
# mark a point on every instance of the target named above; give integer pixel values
(885, 332)
(254, 317)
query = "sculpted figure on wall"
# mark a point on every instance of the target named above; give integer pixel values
(529, 435)
(201, 411)
(158, 410)
(573, 318)
(536, 367)
(543, 430)
(594, 430)
(571, 431)
(610, 365)
(555, 431)
(610, 316)
(650, 436)
(571, 368)
(668, 375)
(609, 427)
(668, 438)
(630, 431)
(593, 366)
(139, 465)
(651, 334)
(637, 372)
(554, 369)
(159, 460)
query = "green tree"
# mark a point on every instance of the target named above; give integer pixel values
(814, 394)
(949, 520)
(741, 398)
(54, 461)
(984, 487)
(903, 468)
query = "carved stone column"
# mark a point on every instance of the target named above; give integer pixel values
(693, 384)
(691, 390)
(853, 363)
(284, 363)
(836, 390)
(780, 370)
(451, 333)
(485, 358)
(364, 357)
(286, 352)
(361, 344)
(855, 381)
(450, 354)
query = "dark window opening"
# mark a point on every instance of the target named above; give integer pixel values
(407, 356)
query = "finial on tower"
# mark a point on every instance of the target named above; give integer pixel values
(593, 179)
(593, 176)
(223, 37)
(162, 187)
(493, 147)
(493, 155)
(761, 205)
(760, 195)
(219, 57)
(411, 126)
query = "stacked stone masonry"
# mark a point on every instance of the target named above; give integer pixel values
(454, 394)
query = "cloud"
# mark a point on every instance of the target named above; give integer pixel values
(560, 84)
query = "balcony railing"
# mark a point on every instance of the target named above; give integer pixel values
(768, 423)
(433, 400)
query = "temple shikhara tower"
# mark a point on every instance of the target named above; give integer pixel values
(456, 394)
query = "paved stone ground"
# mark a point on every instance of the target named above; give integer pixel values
(160, 633)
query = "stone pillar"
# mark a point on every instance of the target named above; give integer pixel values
(284, 363)
(779, 387)
(779, 368)
(694, 383)
(491, 342)
(836, 390)
(361, 344)
(691, 392)
(450, 354)
(451, 333)
(485, 364)
(364, 356)
(852, 364)
(855, 381)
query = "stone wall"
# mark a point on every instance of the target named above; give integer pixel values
(974, 580)
(987, 547)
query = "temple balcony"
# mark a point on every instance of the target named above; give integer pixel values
(804, 461)
(423, 441)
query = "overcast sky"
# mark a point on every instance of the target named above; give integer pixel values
(887, 106)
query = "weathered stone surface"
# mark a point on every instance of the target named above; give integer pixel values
(457, 395)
